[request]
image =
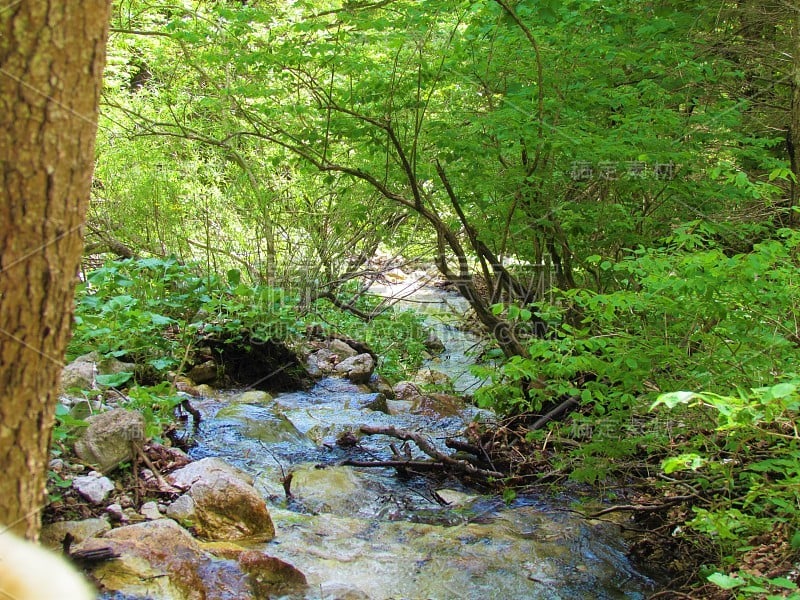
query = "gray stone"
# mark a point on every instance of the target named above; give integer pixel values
(378, 404)
(81, 372)
(341, 349)
(399, 407)
(94, 487)
(406, 390)
(115, 512)
(204, 372)
(357, 369)
(107, 441)
(381, 385)
(312, 367)
(324, 359)
(206, 469)
(182, 509)
(253, 397)
(150, 511)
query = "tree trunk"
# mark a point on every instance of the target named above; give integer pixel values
(793, 137)
(51, 61)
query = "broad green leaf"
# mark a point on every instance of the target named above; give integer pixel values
(726, 582)
(672, 399)
(114, 379)
(683, 462)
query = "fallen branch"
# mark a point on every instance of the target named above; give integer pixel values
(567, 405)
(479, 452)
(640, 507)
(428, 448)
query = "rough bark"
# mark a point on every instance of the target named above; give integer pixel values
(51, 60)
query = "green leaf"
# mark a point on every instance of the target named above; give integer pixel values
(782, 390)
(234, 277)
(726, 582)
(113, 379)
(683, 462)
(160, 320)
(795, 541)
(161, 364)
(782, 582)
(672, 399)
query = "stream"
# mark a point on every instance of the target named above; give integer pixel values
(366, 533)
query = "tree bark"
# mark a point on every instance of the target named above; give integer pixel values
(52, 55)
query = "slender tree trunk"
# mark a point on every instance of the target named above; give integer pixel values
(51, 61)
(793, 137)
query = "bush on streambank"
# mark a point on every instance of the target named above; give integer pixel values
(739, 465)
(156, 312)
(685, 316)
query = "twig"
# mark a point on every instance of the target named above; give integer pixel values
(429, 449)
(640, 507)
(556, 413)
(163, 484)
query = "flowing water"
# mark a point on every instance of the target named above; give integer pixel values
(368, 533)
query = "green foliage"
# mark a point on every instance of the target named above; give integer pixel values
(151, 310)
(749, 464)
(66, 425)
(687, 313)
(156, 404)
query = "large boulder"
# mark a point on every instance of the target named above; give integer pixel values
(106, 442)
(81, 372)
(224, 505)
(357, 369)
(53, 534)
(160, 559)
(206, 469)
(341, 349)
